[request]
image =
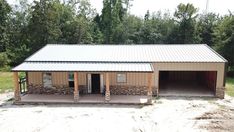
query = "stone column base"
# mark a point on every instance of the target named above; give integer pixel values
(220, 93)
(157, 92)
(17, 96)
(149, 94)
(76, 96)
(107, 96)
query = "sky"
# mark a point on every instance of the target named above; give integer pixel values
(139, 7)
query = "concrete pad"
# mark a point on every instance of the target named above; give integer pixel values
(191, 89)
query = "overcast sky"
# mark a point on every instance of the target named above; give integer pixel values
(139, 7)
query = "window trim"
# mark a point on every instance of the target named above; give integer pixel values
(117, 81)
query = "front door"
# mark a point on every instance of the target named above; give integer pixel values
(95, 79)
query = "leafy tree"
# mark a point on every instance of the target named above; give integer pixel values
(206, 25)
(5, 9)
(18, 47)
(44, 24)
(132, 25)
(224, 38)
(147, 15)
(156, 28)
(185, 15)
(112, 17)
(106, 21)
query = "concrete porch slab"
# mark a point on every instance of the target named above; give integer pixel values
(83, 99)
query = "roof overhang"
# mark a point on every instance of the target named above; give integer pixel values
(84, 67)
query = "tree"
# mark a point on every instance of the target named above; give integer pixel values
(224, 38)
(112, 17)
(132, 25)
(147, 15)
(5, 10)
(18, 33)
(186, 18)
(156, 28)
(206, 25)
(96, 31)
(44, 26)
(106, 21)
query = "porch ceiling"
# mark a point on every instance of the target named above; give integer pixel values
(84, 67)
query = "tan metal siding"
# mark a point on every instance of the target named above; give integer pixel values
(82, 77)
(60, 78)
(35, 78)
(132, 79)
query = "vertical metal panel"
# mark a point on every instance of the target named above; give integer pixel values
(82, 76)
(60, 78)
(133, 78)
(35, 78)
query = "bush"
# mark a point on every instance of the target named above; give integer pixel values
(230, 72)
(3, 59)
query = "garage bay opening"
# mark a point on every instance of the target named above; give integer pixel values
(187, 83)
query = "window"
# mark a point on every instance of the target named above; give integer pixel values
(47, 80)
(71, 79)
(71, 76)
(121, 78)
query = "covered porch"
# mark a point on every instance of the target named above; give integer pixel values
(77, 68)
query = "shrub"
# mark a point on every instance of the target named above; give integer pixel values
(3, 59)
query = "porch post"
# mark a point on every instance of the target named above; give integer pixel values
(107, 94)
(16, 85)
(76, 87)
(150, 77)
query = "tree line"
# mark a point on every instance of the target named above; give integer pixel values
(25, 28)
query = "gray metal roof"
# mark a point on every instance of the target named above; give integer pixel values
(127, 53)
(83, 67)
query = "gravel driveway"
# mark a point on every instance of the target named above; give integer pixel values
(167, 114)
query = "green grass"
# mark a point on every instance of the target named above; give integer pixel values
(6, 82)
(230, 86)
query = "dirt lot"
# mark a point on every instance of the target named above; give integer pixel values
(167, 114)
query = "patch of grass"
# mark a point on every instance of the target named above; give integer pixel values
(6, 82)
(230, 86)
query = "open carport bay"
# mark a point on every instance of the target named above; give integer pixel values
(187, 83)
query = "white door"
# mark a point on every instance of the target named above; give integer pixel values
(89, 83)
